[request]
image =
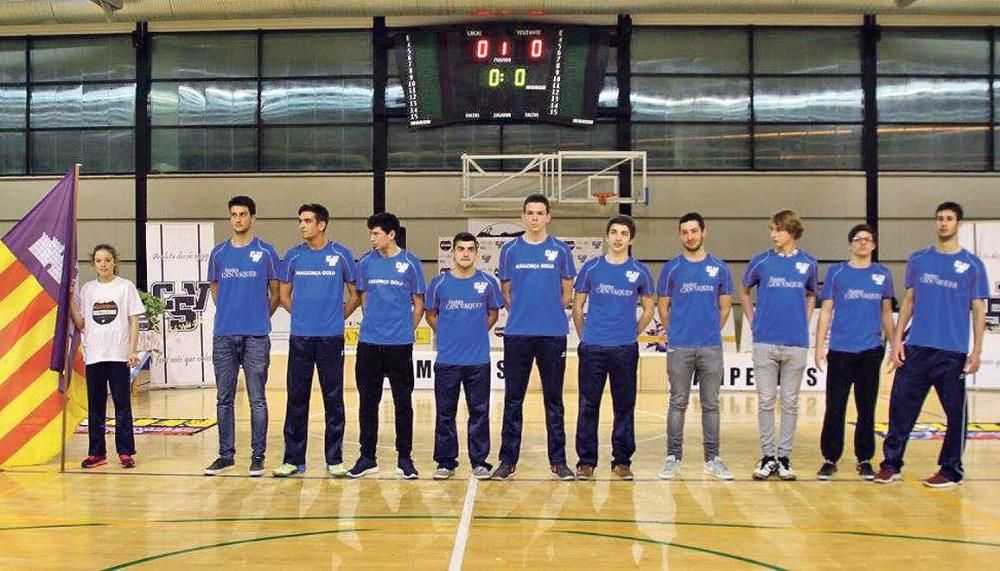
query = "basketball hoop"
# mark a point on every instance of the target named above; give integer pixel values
(602, 197)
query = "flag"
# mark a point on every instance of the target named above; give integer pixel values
(41, 367)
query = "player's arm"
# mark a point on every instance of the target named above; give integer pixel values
(214, 287)
(725, 308)
(579, 300)
(746, 302)
(432, 319)
(353, 299)
(648, 304)
(663, 308)
(505, 290)
(491, 317)
(888, 326)
(74, 311)
(285, 295)
(978, 330)
(822, 329)
(567, 291)
(810, 305)
(418, 308)
(905, 313)
(133, 340)
(274, 297)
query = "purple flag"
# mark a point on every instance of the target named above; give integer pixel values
(44, 241)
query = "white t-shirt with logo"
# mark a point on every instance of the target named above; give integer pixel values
(106, 308)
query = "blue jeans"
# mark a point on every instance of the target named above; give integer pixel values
(229, 353)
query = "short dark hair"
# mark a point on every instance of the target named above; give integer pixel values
(464, 237)
(624, 221)
(318, 210)
(387, 221)
(245, 201)
(953, 206)
(536, 198)
(861, 228)
(788, 221)
(109, 249)
(692, 217)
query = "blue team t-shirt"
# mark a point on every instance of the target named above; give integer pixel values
(389, 284)
(535, 273)
(461, 305)
(613, 291)
(318, 278)
(944, 286)
(782, 282)
(857, 295)
(694, 289)
(242, 305)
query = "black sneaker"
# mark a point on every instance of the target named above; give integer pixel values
(219, 466)
(363, 467)
(406, 469)
(866, 471)
(505, 471)
(562, 472)
(256, 467)
(827, 470)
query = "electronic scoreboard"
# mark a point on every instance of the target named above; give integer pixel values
(502, 72)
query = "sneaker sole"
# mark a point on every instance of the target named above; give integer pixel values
(893, 478)
(791, 478)
(569, 478)
(399, 472)
(666, 476)
(336, 474)
(483, 476)
(724, 477)
(219, 471)
(255, 473)
(442, 476)
(94, 465)
(502, 478)
(627, 478)
(276, 475)
(363, 473)
(868, 478)
(941, 486)
(824, 478)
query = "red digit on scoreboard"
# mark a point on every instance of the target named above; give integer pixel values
(536, 48)
(482, 48)
(505, 48)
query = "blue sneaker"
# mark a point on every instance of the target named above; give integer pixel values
(363, 467)
(406, 469)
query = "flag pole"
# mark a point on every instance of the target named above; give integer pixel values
(64, 378)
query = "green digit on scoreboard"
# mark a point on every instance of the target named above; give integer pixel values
(520, 77)
(493, 79)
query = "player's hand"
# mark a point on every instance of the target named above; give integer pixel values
(898, 354)
(820, 359)
(972, 363)
(133, 359)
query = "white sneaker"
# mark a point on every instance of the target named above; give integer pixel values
(481, 473)
(671, 467)
(767, 466)
(443, 473)
(716, 467)
(785, 471)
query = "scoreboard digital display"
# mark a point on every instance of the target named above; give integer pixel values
(502, 72)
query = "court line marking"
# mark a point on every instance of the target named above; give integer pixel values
(462, 533)
(227, 544)
(681, 545)
(53, 526)
(919, 537)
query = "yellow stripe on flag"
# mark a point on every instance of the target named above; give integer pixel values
(29, 399)
(43, 447)
(18, 300)
(27, 345)
(6, 257)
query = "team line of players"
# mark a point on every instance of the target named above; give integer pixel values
(320, 284)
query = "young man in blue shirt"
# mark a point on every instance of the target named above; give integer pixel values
(391, 283)
(315, 275)
(536, 275)
(785, 278)
(943, 283)
(695, 290)
(243, 271)
(462, 307)
(611, 286)
(857, 299)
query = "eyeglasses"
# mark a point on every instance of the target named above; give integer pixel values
(863, 240)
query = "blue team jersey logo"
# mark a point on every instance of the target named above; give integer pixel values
(961, 267)
(632, 276)
(551, 255)
(256, 255)
(480, 287)
(401, 267)
(879, 279)
(802, 267)
(332, 261)
(712, 271)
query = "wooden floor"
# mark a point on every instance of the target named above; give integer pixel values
(165, 514)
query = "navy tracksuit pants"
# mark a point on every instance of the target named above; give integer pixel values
(597, 363)
(448, 381)
(924, 368)
(326, 355)
(519, 351)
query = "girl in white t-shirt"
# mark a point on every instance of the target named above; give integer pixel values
(107, 310)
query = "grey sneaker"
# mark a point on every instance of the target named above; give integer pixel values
(443, 473)
(671, 467)
(562, 472)
(767, 466)
(481, 472)
(716, 467)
